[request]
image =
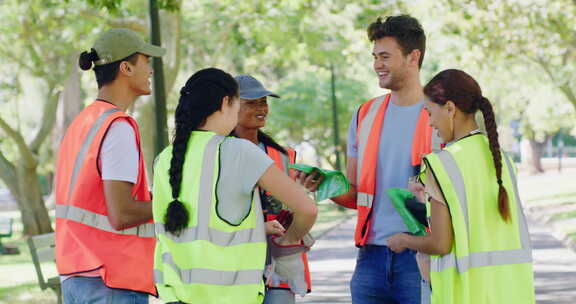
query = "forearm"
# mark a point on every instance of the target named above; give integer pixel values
(300, 226)
(425, 244)
(123, 210)
(347, 199)
(130, 214)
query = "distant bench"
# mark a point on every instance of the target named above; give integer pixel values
(6, 232)
(42, 250)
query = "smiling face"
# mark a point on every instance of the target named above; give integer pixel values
(253, 113)
(390, 64)
(441, 119)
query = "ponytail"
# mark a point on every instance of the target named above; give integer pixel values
(490, 122)
(86, 59)
(199, 98)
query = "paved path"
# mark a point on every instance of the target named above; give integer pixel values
(332, 262)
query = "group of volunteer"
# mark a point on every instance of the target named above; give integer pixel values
(228, 217)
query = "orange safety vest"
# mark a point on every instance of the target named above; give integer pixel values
(85, 240)
(370, 121)
(282, 160)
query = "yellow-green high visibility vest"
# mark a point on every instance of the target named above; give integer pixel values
(211, 261)
(491, 260)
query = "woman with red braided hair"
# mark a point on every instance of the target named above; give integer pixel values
(479, 244)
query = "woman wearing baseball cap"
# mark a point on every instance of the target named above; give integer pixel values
(251, 119)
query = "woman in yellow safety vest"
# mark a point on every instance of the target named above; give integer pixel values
(211, 244)
(479, 244)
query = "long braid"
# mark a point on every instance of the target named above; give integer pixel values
(490, 122)
(177, 217)
(199, 98)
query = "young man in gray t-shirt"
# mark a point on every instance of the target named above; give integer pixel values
(385, 140)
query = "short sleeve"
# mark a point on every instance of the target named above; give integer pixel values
(119, 154)
(432, 188)
(351, 144)
(242, 163)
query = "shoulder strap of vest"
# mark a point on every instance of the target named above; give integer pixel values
(363, 109)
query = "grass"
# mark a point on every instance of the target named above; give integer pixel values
(560, 200)
(28, 293)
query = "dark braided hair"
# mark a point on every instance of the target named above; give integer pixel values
(105, 73)
(460, 88)
(199, 98)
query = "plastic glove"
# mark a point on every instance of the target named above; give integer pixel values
(290, 269)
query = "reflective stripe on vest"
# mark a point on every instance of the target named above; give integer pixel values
(365, 129)
(203, 232)
(86, 217)
(209, 276)
(220, 238)
(100, 221)
(485, 258)
(86, 145)
(364, 199)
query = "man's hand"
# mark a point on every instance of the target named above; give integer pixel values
(396, 242)
(275, 228)
(310, 181)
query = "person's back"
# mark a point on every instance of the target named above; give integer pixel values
(224, 263)
(481, 237)
(211, 244)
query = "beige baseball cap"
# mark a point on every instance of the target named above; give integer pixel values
(119, 43)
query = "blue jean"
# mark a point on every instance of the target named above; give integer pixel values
(384, 277)
(91, 290)
(279, 296)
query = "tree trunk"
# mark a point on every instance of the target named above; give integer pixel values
(534, 161)
(146, 117)
(30, 202)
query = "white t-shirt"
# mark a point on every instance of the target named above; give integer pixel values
(119, 155)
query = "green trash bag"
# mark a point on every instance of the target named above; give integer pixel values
(398, 197)
(334, 183)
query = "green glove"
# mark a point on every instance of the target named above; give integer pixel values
(334, 183)
(398, 197)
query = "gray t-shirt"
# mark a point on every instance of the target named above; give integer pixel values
(393, 169)
(242, 163)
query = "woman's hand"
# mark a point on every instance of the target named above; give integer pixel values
(275, 228)
(396, 242)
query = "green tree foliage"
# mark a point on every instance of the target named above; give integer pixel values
(304, 113)
(39, 60)
(541, 34)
